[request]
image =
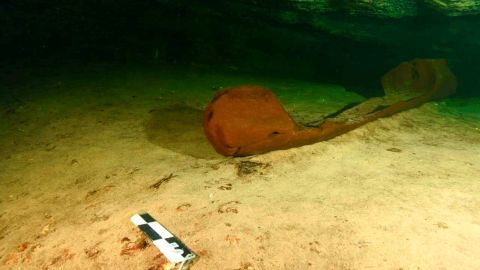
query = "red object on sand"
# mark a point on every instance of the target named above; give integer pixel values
(249, 119)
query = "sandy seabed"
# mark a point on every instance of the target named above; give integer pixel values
(81, 155)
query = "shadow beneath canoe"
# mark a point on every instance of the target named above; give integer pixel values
(179, 128)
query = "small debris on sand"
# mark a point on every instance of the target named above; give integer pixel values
(129, 248)
(165, 179)
(248, 167)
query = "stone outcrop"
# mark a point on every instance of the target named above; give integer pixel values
(388, 8)
(391, 8)
(381, 9)
(455, 7)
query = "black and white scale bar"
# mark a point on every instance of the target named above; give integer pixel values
(166, 242)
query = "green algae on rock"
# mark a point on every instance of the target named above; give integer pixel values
(455, 7)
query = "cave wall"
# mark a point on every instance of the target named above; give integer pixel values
(352, 42)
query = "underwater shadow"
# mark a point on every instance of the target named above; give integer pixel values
(179, 128)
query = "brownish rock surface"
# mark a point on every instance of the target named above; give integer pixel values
(249, 119)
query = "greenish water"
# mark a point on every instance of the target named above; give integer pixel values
(467, 108)
(58, 93)
(102, 101)
(167, 100)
